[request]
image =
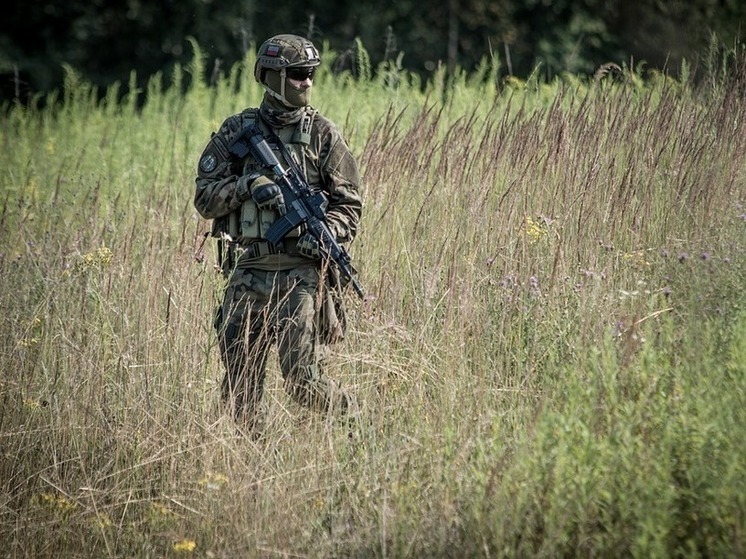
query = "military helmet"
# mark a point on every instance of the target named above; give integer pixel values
(285, 51)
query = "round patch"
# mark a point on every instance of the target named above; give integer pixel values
(208, 163)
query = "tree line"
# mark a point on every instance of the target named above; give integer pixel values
(106, 41)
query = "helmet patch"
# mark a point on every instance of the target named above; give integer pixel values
(273, 50)
(311, 53)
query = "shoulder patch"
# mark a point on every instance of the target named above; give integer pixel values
(208, 163)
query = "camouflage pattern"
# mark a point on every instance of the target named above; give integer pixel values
(222, 187)
(276, 297)
(285, 51)
(275, 56)
(259, 309)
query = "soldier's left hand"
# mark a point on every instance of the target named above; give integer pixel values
(309, 247)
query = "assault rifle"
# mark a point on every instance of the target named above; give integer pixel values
(303, 205)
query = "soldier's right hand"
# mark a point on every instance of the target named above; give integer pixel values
(267, 195)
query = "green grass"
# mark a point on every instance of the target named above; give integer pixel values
(551, 362)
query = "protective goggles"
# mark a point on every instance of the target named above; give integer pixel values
(301, 74)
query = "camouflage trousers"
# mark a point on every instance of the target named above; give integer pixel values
(260, 310)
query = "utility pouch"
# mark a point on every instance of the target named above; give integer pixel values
(332, 317)
(249, 221)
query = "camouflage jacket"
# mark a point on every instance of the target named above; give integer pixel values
(322, 153)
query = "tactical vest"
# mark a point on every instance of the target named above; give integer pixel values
(249, 223)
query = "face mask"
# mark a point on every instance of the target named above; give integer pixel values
(283, 90)
(297, 97)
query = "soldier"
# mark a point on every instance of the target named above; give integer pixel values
(278, 295)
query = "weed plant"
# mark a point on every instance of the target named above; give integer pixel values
(550, 362)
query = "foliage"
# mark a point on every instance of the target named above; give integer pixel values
(105, 41)
(552, 363)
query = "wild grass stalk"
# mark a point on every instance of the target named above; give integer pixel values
(551, 362)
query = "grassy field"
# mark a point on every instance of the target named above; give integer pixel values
(551, 362)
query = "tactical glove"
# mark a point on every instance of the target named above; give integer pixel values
(309, 247)
(267, 195)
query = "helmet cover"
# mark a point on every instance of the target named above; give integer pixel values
(285, 51)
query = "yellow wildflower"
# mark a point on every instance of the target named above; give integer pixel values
(186, 546)
(102, 521)
(637, 259)
(159, 509)
(535, 229)
(213, 481)
(58, 502)
(98, 260)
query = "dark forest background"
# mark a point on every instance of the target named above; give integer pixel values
(104, 41)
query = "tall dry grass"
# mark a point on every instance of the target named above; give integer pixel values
(551, 361)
